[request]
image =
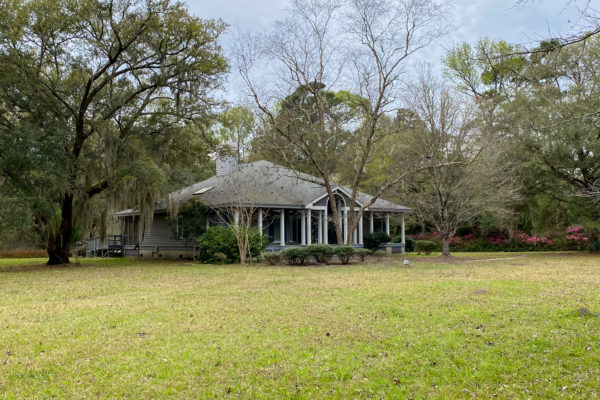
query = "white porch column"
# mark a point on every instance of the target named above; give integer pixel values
(360, 230)
(309, 227)
(303, 228)
(345, 225)
(402, 232)
(371, 223)
(387, 224)
(282, 228)
(325, 227)
(236, 218)
(260, 224)
(320, 228)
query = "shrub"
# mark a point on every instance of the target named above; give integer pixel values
(425, 246)
(321, 252)
(594, 247)
(294, 256)
(374, 240)
(409, 243)
(344, 253)
(221, 239)
(362, 253)
(221, 257)
(272, 257)
(379, 254)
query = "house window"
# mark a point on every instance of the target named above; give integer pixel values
(379, 224)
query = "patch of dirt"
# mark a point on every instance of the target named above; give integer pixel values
(582, 312)
(480, 291)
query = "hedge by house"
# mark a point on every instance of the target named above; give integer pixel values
(372, 241)
(219, 245)
(295, 255)
(322, 253)
(344, 253)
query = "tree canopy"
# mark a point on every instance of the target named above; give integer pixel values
(101, 98)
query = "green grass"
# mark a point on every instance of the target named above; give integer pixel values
(126, 329)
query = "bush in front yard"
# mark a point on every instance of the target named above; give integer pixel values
(321, 252)
(272, 257)
(425, 246)
(294, 256)
(221, 240)
(344, 253)
(372, 241)
(362, 253)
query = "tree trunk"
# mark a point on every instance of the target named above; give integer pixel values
(445, 247)
(59, 243)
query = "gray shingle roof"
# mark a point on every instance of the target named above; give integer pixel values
(264, 184)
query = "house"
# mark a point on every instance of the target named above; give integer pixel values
(292, 209)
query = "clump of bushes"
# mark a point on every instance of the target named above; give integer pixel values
(272, 257)
(379, 254)
(295, 255)
(372, 241)
(344, 253)
(362, 253)
(218, 245)
(425, 246)
(409, 243)
(322, 253)
(574, 238)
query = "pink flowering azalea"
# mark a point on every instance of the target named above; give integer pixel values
(454, 240)
(575, 229)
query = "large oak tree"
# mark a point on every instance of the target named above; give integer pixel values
(98, 98)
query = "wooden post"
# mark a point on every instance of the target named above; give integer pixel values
(320, 228)
(260, 222)
(303, 228)
(309, 227)
(282, 228)
(402, 233)
(360, 230)
(325, 228)
(345, 225)
(387, 224)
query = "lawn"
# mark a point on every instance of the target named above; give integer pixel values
(128, 329)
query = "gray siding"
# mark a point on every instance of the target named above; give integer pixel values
(322, 202)
(160, 234)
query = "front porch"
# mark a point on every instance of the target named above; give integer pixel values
(303, 227)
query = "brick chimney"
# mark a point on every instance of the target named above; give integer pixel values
(227, 158)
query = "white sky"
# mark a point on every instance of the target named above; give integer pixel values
(497, 19)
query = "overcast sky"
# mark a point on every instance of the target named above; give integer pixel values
(497, 19)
